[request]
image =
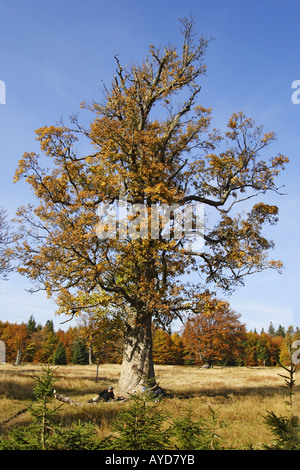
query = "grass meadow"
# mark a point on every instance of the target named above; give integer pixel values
(240, 396)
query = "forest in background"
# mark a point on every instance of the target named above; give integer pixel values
(196, 344)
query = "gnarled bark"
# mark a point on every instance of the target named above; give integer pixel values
(137, 367)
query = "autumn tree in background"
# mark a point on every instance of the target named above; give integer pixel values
(43, 343)
(255, 349)
(15, 338)
(214, 332)
(168, 348)
(68, 339)
(162, 347)
(287, 344)
(178, 349)
(103, 335)
(262, 349)
(150, 141)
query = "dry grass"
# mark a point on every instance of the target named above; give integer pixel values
(240, 396)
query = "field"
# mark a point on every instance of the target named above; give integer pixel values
(240, 396)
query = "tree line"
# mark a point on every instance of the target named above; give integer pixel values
(200, 342)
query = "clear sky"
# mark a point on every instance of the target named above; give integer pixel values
(53, 56)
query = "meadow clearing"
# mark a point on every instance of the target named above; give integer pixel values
(240, 396)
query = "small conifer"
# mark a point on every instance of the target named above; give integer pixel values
(60, 357)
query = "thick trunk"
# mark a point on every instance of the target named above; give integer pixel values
(137, 366)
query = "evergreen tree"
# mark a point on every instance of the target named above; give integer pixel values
(50, 326)
(198, 435)
(49, 344)
(262, 349)
(31, 325)
(140, 427)
(280, 331)
(271, 329)
(80, 353)
(60, 357)
(286, 429)
(46, 431)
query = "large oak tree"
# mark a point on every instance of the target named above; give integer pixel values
(151, 141)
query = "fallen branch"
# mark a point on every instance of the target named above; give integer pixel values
(65, 399)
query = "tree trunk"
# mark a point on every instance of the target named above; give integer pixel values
(137, 366)
(90, 354)
(18, 359)
(97, 370)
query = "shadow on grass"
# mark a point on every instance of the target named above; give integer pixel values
(99, 415)
(92, 388)
(229, 392)
(12, 390)
(23, 391)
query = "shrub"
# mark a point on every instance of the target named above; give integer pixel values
(141, 426)
(45, 433)
(286, 429)
(197, 435)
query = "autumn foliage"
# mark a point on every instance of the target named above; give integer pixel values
(214, 333)
(202, 341)
(151, 140)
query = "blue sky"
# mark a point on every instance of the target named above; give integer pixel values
(53, 56)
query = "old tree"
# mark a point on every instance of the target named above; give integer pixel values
(150, 141)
